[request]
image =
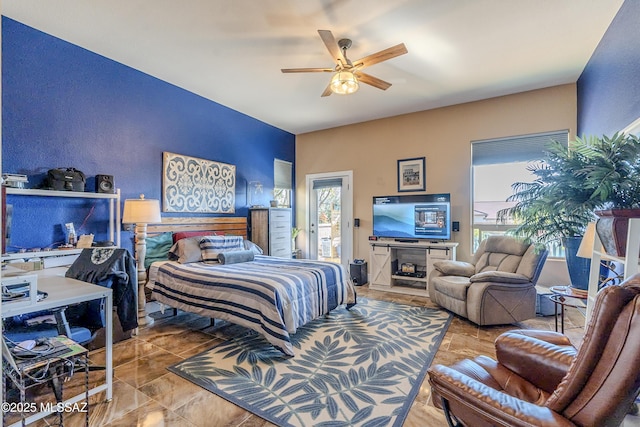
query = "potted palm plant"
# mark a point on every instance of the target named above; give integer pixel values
(613, 177)
(591, 176)
(556, 207)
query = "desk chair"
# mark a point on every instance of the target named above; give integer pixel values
(20, 328)
(86, 319)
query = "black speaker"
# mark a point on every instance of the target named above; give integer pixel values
(104, 184)
(358, 273)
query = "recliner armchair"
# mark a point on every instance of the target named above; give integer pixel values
(497, 287)
(540, 379)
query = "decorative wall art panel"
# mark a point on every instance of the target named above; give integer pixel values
(190, 184)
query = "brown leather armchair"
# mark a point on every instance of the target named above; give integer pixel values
(540, 379)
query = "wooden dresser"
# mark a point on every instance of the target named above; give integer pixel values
(270, 228)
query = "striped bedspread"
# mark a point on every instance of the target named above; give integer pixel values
(272, 296)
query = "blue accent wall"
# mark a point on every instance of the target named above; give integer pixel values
(609, 87)
(66, 106)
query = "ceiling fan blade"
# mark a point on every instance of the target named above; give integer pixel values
(332, 46)
(327, 91)
(307, 70)
(373, 81)
(383, 55)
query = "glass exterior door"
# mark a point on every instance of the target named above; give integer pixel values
(328, 214)
(329, 218)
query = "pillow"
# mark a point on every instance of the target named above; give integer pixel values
(158, 248)
(186, 250)
(185, 234)
(211, 246)
(250, 246)
(235, 257)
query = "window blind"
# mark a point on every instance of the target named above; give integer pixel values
(282, 174)
(514, 149)
(327, 183)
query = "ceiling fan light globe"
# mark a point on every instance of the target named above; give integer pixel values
(344, 83)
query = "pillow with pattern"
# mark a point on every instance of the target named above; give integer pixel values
(211, 246)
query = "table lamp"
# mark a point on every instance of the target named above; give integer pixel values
(141, 212)
(585, 250)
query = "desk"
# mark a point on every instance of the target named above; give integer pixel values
(64, 291)
(564, 296)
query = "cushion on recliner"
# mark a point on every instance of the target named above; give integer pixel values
(454, 268)
(505, 245)
(529, 264)
(498, 261)
(499, 277)
(501, 253)
(452, 286)
(496, 376)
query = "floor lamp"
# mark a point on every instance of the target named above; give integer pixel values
(141, 212)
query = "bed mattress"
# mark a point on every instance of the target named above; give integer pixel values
(273, 296)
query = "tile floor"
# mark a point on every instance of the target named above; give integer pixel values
(146, 394)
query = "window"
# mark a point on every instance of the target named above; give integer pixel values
(496, 165)
(282, 179)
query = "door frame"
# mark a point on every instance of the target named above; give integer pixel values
(346, 218)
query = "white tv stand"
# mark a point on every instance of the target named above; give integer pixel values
(387, 257)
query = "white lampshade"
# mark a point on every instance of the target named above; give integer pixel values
(344, 83)
(586, 246)
(141, 211)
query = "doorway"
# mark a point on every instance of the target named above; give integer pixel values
(329, 224)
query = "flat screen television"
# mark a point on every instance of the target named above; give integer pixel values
(412, 217)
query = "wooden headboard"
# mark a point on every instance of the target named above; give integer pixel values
(228, 225)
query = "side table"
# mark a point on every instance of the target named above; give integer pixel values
(566, 296)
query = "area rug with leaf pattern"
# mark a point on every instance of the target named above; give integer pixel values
(357, 367)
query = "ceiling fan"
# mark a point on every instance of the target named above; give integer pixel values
(348, 73)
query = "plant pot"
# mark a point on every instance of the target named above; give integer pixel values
(612, 228)
(578, 267)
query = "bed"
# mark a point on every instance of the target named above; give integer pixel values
(272, 296)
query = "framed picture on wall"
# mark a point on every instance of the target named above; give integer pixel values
(190, 184)
(411, 174)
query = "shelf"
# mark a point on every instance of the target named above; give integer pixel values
(114, 215)
(401, 289)
(40, 254)
(419, 245)
(54, 193)
(409, 278)
(598, 254)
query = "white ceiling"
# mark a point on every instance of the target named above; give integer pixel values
(231, 51)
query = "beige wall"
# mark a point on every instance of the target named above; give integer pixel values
(442, 135)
